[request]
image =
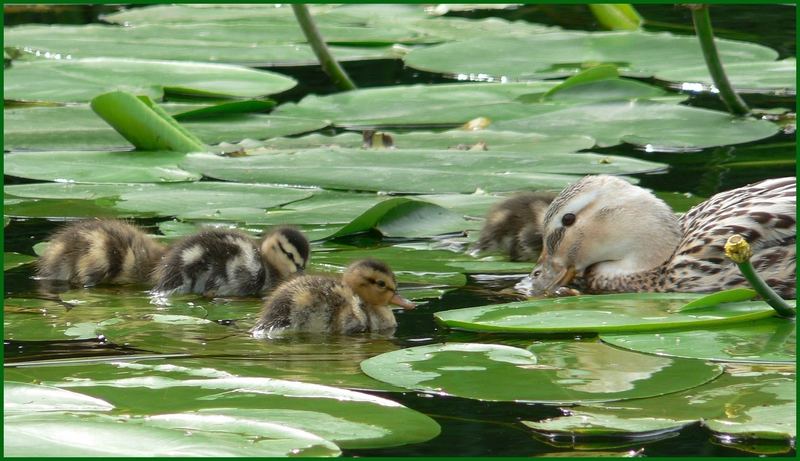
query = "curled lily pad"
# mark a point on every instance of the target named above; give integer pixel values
(79, 80)
(12, 260)
(600, 314)
(556, 373)
(767, 340)
(25, 398)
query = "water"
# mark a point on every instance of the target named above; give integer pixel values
(470, 427)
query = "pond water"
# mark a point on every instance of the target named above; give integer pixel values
(468, 427)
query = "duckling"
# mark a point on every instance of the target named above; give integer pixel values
(356, 303)
(91, 252)
(515, 225)
(225, 262)
(608, 235)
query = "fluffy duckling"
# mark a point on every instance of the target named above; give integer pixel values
(99, 251)
(610, 236)
(356, 303)
(224, 262)
(515, 225)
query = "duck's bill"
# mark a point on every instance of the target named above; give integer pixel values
(398, 300)
(549, 279)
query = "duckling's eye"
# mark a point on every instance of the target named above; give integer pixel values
(568, 219)
(381, 283)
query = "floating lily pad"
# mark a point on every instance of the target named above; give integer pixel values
(533, 143)
(744, 76)
(76, 127)
(352, 419)
(99, 167)
(21, 398)
(441, 105)
(12, 260)
(767, 340)
(158, 199)
(68, 434)
(600, 314)
(79, 80)
(558, 373)
(559, 54)
(646, 123)
(411, 171)
(747, 401)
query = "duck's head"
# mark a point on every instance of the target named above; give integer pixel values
(606, 225)
(374, 283)
(286, 250)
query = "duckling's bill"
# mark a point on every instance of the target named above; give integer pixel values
(400, 301)
(547, 277)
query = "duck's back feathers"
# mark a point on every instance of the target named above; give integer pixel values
(764, 214)
(313, 304)
(99, 251)
(214, 262)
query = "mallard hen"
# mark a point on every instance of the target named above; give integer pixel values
(99, 251)
(356, 303)
(606, 235)
(224, 262)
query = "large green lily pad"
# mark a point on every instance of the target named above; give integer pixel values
(80, 80)
(76, 127)
(557, 373)
(411, 171)
(534, 143)
(744, 76)
(155, 199)
(752, 402)
(637, 53)
(351, 419)
(630, 312)
(13, 259)
(99, 167)
(769, 340)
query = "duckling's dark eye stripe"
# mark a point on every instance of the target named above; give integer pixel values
(554, 239)
(288, 255)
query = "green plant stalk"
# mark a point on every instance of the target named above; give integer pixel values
(326, 60)
(617, 16)
(705, 33)
(145, 126)
(738, 250)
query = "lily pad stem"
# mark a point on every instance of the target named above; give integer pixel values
(738, 250)
(705, 33)
(326, 60)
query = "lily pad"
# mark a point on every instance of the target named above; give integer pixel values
(743, 402)
(99, 167)
(559, 54)
(628, 312)
(21, 398)
(411, 171)
(754, 76)
(767, 340)
(68, 434)
(79, 80)
(12, 260)
(533, 143)
(158, 199)
(558, 373)
(76, 127)
(357, 420)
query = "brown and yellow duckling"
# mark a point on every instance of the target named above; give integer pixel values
(225, 262)
(606, 235)
(359, 302)
(515, 226)
(99, 251)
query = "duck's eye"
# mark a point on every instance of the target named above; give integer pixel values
(568, 219)
(537, 273)
(381, 283)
